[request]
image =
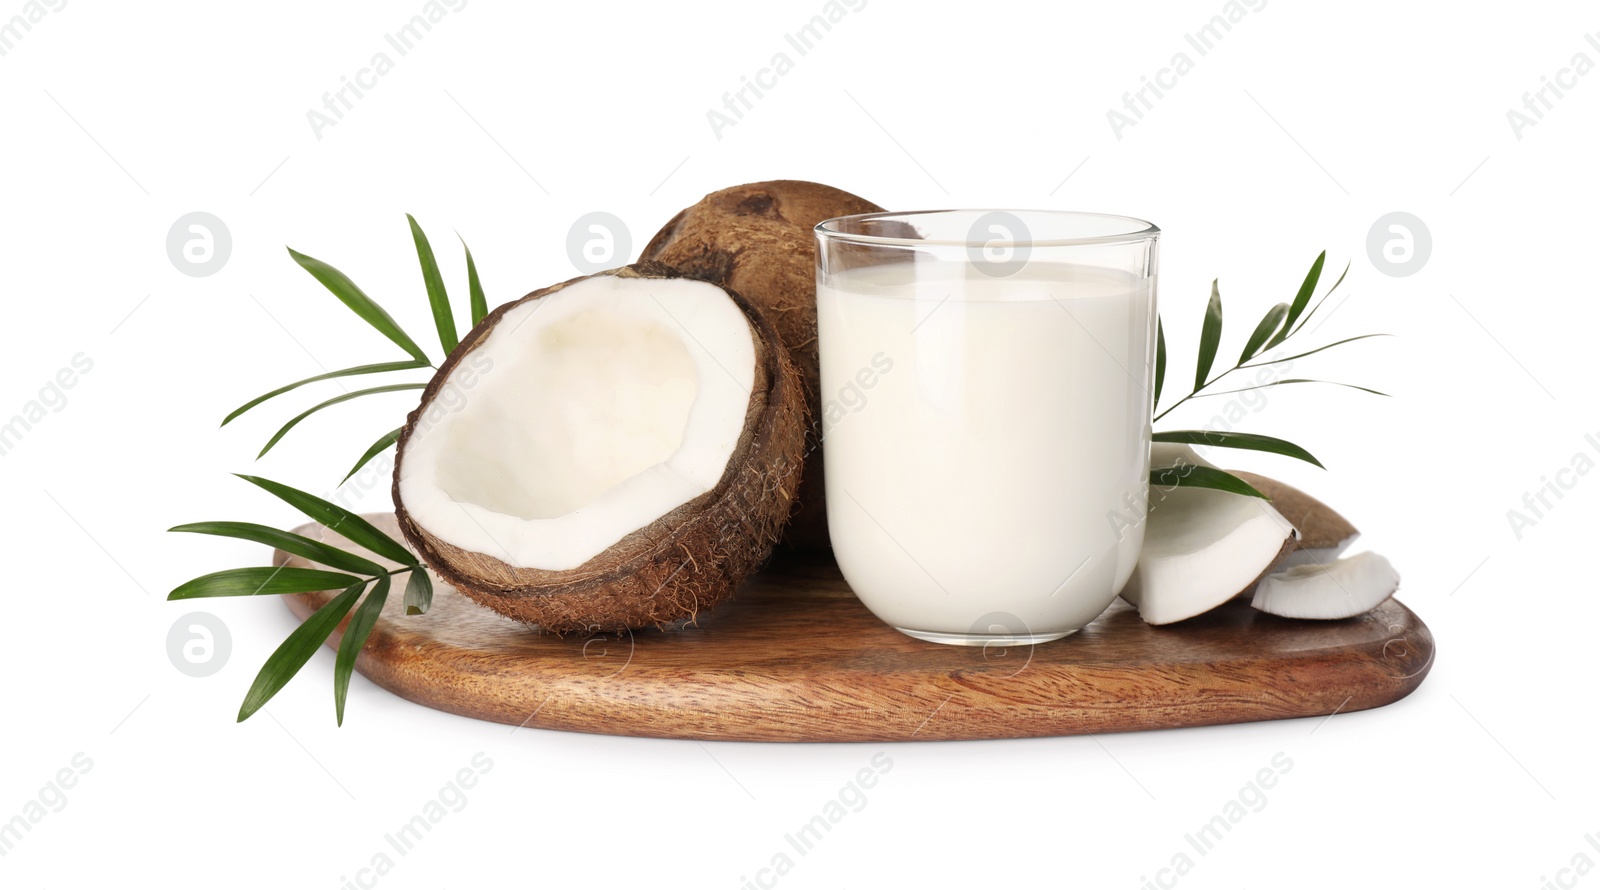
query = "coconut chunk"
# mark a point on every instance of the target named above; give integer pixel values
(1202, 547)
(1342, 588)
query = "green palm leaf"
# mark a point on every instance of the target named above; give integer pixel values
(376, 390)
(1161, 362)
(1286, 381)
(1195, 476)
(1268, 325)
(1301, 299)
(1248, 441)
(1210, 337)
(480, 303)
(1290, 358)
(338, 519)
(260, 581)
(342, 287)
(297, 649)
(377, 448)
(380, 368)
(355, 637)
(438, 299)
(419, 592)
(1307, 317)
(288, 542)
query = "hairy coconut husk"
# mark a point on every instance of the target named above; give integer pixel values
(757, 240)
(686, 561)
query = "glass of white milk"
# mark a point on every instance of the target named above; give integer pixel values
(986, 396)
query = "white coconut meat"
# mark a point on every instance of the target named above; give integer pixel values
(1343, 588)
(582, 416)
(1202, 547)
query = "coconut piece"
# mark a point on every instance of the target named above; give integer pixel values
(1202, 547)
(757, 239)
(611, 452)
(1324, 534)
(1342, 588)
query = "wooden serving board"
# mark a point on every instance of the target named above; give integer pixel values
(796, 657)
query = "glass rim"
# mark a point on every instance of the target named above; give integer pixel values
(1135, 229)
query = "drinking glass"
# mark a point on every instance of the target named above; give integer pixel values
(986, 400)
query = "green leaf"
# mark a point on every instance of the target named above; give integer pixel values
(1289, 380)
(297, 649)
(1210, 337)
(1248, 441)
(443, 319)
(355, 637)
(260, 581)
(288, 542)
(1290, 358)
(480, 303)
(1161, 362)
(1196, 476)
(342, 287)
(345, 397)
(419, 592)
(1307, 317)
(377, 448)
(1301, 299)
(347, 372)
(338, 519)
(1268, 325)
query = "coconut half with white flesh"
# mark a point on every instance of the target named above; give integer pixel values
(1324, 533)
(1202, 547)
(616, 451)
(1343, 588)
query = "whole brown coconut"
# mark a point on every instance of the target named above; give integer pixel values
(757, 239)
(689, 559)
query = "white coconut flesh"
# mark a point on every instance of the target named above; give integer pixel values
(582, 416)
(1342, 588)
(1202, 547)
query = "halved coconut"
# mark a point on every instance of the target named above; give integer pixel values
(1202, 547)
(757, 239)
(611, 452)
(1343, 588)
(1324, 534)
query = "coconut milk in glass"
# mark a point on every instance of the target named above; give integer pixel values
(986, 383)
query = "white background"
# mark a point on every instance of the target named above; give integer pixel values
(1293, 135)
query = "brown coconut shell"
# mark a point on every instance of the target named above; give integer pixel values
(1320, 526)
(757, 240)
(683, 563)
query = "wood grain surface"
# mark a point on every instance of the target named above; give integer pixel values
(796, 657)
